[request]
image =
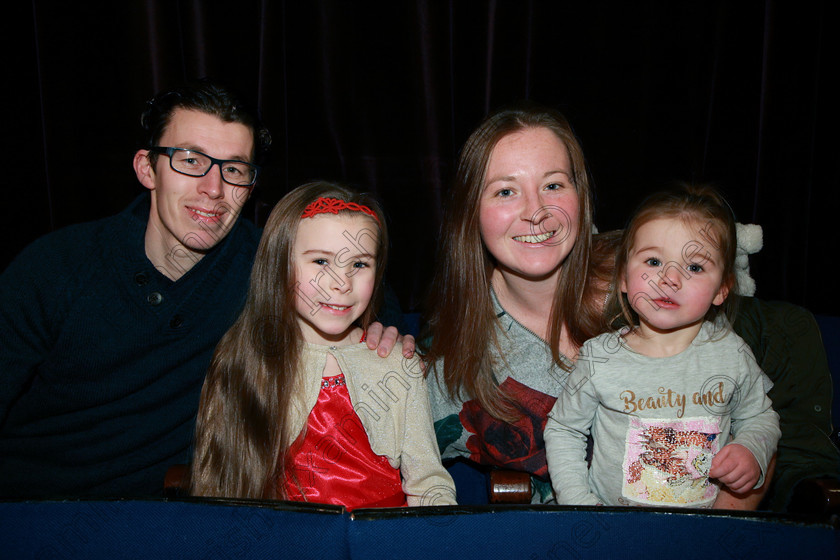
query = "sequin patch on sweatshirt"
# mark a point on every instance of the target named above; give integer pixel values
(667, 461)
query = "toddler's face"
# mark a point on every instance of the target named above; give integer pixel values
(674, 274)
(335, 272)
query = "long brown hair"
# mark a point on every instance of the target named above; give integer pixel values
(696, 205)
(462, 319)
(244, 417)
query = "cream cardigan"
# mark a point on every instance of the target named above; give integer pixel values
(390, 398)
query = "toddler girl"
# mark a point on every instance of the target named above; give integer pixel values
(675, 402)
(295, 406)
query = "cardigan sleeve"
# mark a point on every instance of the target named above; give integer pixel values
(425, 481)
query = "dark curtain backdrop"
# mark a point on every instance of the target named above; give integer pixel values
(383, 94)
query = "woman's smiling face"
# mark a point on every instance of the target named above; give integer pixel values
(529, 208)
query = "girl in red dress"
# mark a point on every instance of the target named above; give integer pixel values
(295, 406)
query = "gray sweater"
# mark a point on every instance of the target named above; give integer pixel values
(525, 371)
(657, 422)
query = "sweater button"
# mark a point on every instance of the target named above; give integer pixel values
(154, 298)
(141, 278)
(176, 321)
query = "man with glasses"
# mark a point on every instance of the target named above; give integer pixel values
(107, 328)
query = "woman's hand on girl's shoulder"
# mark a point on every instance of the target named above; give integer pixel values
(383, 340)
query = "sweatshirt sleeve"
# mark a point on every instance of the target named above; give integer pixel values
(565, 435)
(755, 424)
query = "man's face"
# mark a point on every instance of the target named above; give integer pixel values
(190, 215)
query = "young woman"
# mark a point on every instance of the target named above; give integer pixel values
(515, 293)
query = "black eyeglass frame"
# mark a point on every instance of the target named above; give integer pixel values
(168, 151)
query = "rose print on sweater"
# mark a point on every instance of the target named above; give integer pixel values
(518, 446)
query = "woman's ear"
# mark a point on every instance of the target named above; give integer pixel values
(144, 169)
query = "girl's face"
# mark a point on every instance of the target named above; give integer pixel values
(335, 272)
(674, 275)
(529, 208)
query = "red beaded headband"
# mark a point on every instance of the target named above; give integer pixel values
(333, 205)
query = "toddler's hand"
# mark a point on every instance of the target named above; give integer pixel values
(736, 467)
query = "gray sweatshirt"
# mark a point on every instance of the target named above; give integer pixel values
(657, 422)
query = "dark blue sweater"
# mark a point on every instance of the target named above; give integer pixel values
(102, 358)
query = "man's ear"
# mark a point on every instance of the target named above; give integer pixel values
(144, 169)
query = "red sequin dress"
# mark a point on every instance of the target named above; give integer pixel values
(333, 462)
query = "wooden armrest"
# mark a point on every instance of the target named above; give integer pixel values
(510, 487)
(173, 482)
(816, 496)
